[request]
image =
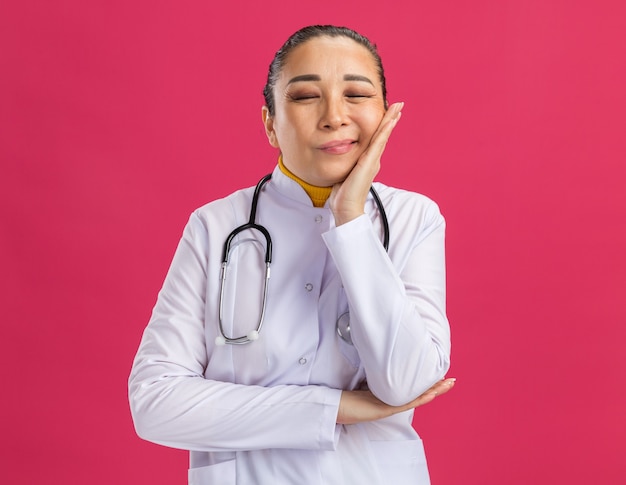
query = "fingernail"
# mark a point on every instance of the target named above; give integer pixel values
(399, 107)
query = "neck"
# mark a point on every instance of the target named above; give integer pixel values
(318, 195)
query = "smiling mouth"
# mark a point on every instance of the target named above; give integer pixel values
(338, 147)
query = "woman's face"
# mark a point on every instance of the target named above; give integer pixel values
(328, 104)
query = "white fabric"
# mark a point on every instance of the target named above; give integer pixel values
(265, 412)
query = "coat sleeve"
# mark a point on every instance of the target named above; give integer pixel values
(173, 404)
(397, 308)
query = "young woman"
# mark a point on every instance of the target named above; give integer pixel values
(308, 374)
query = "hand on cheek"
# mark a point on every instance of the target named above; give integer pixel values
(347, 200)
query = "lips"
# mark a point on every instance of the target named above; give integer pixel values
(337, 147)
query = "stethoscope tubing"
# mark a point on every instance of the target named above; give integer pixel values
(251, 224)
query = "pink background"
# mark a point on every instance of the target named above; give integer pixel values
(117, 119)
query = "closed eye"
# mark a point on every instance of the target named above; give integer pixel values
(303, 96)
(356, 97)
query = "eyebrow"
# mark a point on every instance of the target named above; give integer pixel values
(357, 77)
(315, 77)
(304, 77)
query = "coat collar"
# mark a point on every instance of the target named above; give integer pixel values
(291, 189)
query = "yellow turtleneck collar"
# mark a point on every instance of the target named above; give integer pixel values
(318, 195)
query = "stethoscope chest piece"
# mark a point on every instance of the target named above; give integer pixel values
(343, 328)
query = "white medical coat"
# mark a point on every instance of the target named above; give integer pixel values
(265, 412)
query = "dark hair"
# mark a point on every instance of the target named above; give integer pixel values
(305, 34)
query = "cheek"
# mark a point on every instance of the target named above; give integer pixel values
(289, 127)
(370, 121)
(283, 134)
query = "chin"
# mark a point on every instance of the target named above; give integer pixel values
(331, 178)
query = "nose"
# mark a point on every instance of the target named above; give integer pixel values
(334, 114)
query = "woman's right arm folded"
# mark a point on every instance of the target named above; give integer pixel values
(173, 404)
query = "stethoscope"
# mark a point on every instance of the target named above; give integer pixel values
(343, 323)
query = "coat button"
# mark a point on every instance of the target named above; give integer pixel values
(319, 218)
(302, 361)
(308, 287)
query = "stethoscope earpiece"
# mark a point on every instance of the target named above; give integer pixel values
(220, 341)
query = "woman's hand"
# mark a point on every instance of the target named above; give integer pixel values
(361, 406)
(347, 200)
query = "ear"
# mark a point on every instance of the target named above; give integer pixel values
(268, 122)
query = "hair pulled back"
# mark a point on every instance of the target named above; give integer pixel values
(305, 34)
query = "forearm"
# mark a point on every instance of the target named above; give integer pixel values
(194, 413)
(398, 321)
